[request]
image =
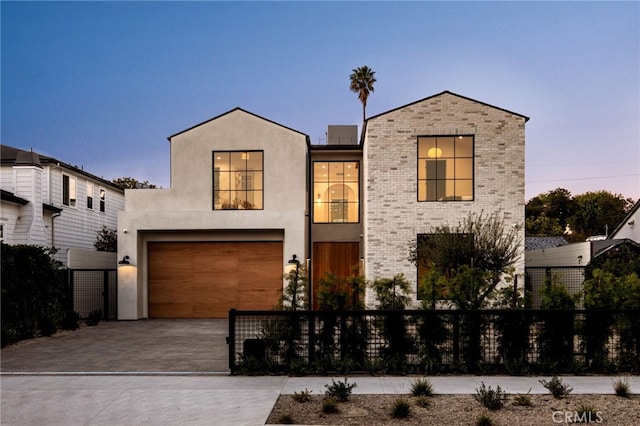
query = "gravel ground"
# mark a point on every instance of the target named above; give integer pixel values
(459, 410)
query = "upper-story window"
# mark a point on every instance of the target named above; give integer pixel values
(90, 195)
(237, 180)
(336, 190)
(69, 190)
(103, 200)
(445, 168)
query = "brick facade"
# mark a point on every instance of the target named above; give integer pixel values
(392, 213)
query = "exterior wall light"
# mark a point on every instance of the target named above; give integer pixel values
(124, 261)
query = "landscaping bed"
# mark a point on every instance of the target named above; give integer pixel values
(458, 410)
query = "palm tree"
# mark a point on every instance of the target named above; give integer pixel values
(362, 80)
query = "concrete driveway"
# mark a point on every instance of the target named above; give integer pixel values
(157, 345)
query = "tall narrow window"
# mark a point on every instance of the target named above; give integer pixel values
(69, 190)
(103, 199)
(90, 195)
(445, 168)
(336, 190)
(238, 180)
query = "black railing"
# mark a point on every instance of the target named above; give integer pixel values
(429, 342)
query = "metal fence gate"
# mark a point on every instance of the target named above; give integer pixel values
(94, 289)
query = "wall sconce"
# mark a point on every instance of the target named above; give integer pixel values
(124, 261)
(579, 259)
(294, 260)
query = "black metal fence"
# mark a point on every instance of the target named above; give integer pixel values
(571, 277)
(94, 289)
(428, 342)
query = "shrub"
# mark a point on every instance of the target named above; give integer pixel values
(423, 401)
(47, 326)
(556, 388)
(70, 320)
(329, 405)
(340, 391)
(523, 400)
(586, 413)
(94, 317)
(484, 420)
(422, 386)
(286, 419)
(302, 396)
(621, 387)
(489, 398)
(400, 408)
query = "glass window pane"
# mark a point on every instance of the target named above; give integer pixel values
(464, 168)
(422, 168)
(351, 172)
(320, 212)
(422, 190)
(351, 191)
(320, 191)
(336, 172)
(464, 146)
(256, 199)
(431, 190)
(336, 192)
(221, 161)
(320, 172)
(352, 212)
(425, 146)
(237, 161)
(445, 145)
(464, 189)
(224, 200)
(254, 160)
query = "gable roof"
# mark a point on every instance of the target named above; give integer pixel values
(229, 112)
(626, 219)
(447, 92)
(10, 156)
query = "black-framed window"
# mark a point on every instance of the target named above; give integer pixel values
(103, 200)
(69, 190)
(238, 178)
(336, 190)
(445, 168)
(90, 195)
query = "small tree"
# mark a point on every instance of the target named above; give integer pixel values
(106, 240)
(556, 337)
(473, 256)
(133, 183)
(392, 295)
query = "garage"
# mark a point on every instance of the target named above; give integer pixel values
(206, 279)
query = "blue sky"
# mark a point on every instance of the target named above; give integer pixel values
(102, 84)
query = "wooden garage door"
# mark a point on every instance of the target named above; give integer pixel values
(206, 279)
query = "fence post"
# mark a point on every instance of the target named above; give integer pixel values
(231, 340)
(311, 336)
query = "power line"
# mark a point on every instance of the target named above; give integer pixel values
(586, 178)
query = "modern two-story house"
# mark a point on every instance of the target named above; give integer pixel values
(249, 197)
(50, 203)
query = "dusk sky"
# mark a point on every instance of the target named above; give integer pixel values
(102, 84)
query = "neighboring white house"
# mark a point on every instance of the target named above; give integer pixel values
(630, 226)
(248, 194)
(50, 203)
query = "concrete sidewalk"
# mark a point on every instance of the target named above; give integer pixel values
(141, 399)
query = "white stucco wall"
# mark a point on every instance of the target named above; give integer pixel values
(185, 212)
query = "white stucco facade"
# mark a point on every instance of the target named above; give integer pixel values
(185, 211)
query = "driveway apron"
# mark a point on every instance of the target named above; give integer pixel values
(145, 346)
